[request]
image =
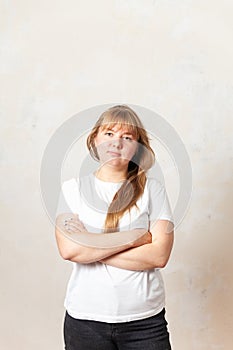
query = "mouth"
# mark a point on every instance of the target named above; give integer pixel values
(114, 154)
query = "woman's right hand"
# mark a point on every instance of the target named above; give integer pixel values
(146, 238)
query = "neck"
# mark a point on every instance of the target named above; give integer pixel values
(110, 174)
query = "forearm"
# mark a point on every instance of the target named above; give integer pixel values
(145, 257)
(87, 255)
(94, 247)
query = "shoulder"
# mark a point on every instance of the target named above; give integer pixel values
(70, 184)
(154, 185)
(159, 204)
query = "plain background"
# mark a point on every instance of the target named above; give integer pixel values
(62, 57)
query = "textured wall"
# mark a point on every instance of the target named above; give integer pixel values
(61, 57)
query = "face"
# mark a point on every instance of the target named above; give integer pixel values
(115, 146)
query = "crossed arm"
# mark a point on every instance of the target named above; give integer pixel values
(150, 255)
(132, 250)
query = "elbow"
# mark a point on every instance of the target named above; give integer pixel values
(79, 258)
(68, 257)
(68, 254)
(68, 251)
(65, 255)
(162, 262)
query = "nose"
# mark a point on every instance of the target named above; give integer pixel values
(118, 143)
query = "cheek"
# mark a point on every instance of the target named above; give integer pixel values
(101, 146)
(130, 151)
(99, 140)
(98, 145)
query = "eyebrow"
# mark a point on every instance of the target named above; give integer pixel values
(124, 133)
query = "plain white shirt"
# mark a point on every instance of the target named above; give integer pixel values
(105, 293)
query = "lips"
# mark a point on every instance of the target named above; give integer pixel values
(114, 154)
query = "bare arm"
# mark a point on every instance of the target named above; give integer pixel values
(95, 246)
(151, 255)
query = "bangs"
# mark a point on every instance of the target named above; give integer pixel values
(121, 121)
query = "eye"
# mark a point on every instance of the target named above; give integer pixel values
(127, 138)
(108, 133)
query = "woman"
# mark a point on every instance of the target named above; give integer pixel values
(115, 296)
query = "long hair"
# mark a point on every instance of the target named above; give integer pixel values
(133, 186)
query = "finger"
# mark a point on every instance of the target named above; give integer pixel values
(74, 226)
(76, 223)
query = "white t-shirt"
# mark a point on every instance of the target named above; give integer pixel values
(100, 292)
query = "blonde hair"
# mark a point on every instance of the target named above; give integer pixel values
(132, 188)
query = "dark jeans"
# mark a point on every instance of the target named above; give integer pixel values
(150, 334)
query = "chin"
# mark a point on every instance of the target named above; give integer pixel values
(117, 162)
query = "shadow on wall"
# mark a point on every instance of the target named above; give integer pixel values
(199, 276)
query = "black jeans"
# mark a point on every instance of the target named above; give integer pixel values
(150, 334)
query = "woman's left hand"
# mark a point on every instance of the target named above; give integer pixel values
(71, 223)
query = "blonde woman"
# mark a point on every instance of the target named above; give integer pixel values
(115, 296)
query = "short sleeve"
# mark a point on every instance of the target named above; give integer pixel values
(67, 202)
(159, 206)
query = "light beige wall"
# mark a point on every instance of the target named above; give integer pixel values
(61, 57)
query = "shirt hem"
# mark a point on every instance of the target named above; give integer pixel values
(116, 319)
